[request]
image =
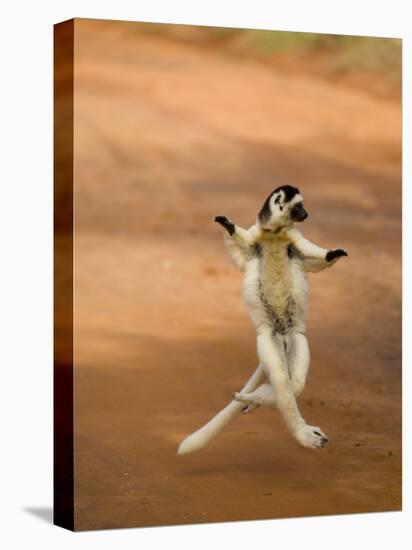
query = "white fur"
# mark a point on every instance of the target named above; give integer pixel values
(275, 292)
(201, 437)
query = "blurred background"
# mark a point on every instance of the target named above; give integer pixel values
(172, 126)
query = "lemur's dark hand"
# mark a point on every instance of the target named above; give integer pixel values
(336, 253)
(226, 223)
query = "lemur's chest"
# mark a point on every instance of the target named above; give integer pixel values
(281, 279)
(274, 263)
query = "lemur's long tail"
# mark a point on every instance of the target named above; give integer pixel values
(201, 437)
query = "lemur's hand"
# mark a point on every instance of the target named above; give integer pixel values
(334, 254)
(226, 223)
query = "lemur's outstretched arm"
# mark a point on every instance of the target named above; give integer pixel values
(239, 242)
(313, 257)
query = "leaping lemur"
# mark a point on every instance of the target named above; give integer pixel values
(275, 258)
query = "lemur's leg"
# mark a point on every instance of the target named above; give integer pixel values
(202, 436)
(298, 359)
(272, 355)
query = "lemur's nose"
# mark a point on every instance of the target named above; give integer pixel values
(299, 213)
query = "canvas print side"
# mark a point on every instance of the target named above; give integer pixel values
(63, 276)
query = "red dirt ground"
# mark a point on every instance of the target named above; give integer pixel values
(167, 136)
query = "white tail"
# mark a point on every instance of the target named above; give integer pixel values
(201, 437)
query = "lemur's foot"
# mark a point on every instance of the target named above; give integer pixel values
(226, 223)
(244, 398)
(311, 436)
(251, 404)
(336, 253)
(247, 409)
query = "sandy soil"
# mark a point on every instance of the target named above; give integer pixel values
(167, 136)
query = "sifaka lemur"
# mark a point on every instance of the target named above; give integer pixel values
(275, 258)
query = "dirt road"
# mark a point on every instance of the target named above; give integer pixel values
(167, 136)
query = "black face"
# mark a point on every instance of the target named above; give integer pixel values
(298, 213)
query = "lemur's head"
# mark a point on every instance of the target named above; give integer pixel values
(282, 208)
